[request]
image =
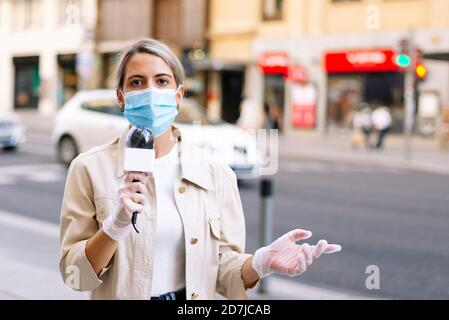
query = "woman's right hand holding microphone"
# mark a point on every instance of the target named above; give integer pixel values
(132, 197)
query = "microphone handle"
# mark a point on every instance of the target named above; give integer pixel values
(134, 217)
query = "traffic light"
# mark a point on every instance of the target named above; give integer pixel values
(421, 71)
(403, 58)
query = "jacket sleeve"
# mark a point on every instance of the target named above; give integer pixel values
(77, 225)
(232, 238)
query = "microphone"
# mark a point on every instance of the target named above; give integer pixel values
(139, 155)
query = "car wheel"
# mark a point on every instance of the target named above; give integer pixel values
(67, 150)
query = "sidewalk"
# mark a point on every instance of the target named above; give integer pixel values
(425, 156)
(29, 267)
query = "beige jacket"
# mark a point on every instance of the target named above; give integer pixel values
(210, 208)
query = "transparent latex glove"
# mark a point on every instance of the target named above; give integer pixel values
(132, 197)
(286, 257)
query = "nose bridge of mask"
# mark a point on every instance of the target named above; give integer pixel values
(153, 96)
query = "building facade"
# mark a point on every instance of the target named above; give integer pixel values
(315, 61)
(318, 60)
(40, 40)
(53, 48)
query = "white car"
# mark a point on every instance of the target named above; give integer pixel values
(12, 133)
(92, 118)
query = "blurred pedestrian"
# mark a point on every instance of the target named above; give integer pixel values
(362, 126)
(272, 117)
(382, 120)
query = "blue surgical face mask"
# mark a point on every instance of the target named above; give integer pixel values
(152, 108)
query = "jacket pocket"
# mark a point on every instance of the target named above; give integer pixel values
(214, 225)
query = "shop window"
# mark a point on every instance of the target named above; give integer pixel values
(347, 92)
(27, 83)
(67, 78)
(109, 65)
(272, 9)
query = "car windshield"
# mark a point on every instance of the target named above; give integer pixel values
(107, 106)
(190, 112)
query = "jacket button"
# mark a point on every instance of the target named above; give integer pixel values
(194, 241)
(195, 296)
(182, 189)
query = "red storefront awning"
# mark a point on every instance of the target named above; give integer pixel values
(373, 60)
(274, 63)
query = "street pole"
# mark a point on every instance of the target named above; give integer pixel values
(409, 101)
(266, 222)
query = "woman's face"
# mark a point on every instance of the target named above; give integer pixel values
(144, 71)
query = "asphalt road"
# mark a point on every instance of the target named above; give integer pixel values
(396, 220)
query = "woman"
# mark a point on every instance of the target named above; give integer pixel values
(190, 218)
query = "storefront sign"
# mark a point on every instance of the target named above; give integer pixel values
(297, 73)
(274, 63)
(304, 104)
(380, 60)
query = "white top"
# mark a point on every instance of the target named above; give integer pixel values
(381, 118)
(169, 255)
(362, 119)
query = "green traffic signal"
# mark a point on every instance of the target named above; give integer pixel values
(403, 60)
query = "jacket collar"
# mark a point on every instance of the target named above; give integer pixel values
(194, 166)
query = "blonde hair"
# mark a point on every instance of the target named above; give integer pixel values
(153, 47)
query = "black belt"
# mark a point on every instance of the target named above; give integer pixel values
(175, 295)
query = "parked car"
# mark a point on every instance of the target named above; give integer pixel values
(12, 132)
(93, 117)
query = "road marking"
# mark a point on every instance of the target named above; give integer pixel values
(45, 177)
(29, 224)
(43, 173)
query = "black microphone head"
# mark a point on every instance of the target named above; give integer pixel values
(140, 138)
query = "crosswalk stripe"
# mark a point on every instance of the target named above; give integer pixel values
(42, 173)
(29, 224)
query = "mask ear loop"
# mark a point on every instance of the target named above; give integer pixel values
(177, 90)
(122, 108)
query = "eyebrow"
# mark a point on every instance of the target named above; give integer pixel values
(156, 76)
(163, 74)
(136, 76)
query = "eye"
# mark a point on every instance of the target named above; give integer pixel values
(135, 83)
(163, 82)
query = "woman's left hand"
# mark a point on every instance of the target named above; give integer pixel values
(284, 256)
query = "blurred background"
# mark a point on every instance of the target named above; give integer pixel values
(317, 70)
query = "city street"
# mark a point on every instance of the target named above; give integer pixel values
(395, 219)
